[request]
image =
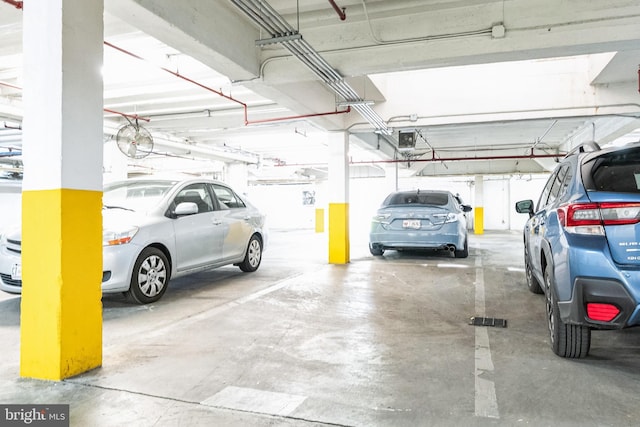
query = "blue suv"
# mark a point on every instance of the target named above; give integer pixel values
(582, 245)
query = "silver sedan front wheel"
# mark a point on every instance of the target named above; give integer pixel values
(150, 276)
(253, 256)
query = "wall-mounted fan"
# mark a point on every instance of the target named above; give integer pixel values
(134, 141)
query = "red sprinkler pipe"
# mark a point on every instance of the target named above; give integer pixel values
(16, 4)
(10, 85)
(339, 10)
(180, 76)
(462, 159)
(131, 116)
(244, 106)
(304, 116)
(106, 110)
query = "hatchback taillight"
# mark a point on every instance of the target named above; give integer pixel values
(590, 218)
(620, 213)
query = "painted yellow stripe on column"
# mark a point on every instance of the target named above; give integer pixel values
(319, 220)
(61, 321)
(338, 233)
(478, 220)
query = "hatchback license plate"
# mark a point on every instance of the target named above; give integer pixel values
(16, 272)
(411, 223)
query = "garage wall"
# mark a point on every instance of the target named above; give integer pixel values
(500, 196)
(294, 206)
(286, 207)
(521, 188)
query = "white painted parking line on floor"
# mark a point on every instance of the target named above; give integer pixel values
(486, 403)
(452, 266)
(252, 400)
(207, 314)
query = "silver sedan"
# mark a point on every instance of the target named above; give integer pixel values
(154, 230)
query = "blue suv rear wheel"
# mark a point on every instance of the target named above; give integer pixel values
(571, 341)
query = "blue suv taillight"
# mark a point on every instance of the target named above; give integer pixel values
(590, 218)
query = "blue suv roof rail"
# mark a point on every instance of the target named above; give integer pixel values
(590, 146)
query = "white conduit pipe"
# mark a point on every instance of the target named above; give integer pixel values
(268, 19)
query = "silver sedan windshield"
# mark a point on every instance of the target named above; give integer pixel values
(135, 195)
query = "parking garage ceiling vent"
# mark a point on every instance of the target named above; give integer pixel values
(283, 33)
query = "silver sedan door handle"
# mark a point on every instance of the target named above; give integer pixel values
(216, 222)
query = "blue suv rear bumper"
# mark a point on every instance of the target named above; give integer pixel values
(589, 275)
(598, 290)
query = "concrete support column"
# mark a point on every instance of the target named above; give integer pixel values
(478, 210)
(61, 312)
(238, 177)
(338, 197)
(390, 178)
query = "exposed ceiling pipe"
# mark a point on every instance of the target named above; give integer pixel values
(16, 4)
(215, 154)
(12, 127)
(377, 40)
(10, 85)
(244, 105)
(106, 110)
(180, 76)
(539, 139)
(128, 116)
(11, 152)
(304, 116)
(439, 159)
(339, 10)
(433, 158)
(268, 19)
(278, 22)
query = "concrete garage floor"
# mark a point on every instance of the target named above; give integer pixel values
(378, 342)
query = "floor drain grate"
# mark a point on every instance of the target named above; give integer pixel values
(488, 321)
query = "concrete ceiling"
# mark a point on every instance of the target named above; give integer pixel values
(486, 86)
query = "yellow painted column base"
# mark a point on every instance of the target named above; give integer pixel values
(339, 233)
(478, 220)
(319, 220)
(61, 308)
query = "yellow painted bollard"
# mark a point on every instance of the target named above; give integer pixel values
(478, 220)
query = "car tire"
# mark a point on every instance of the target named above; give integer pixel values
(150, 276)
(375, 250)
(569, 341)
(532, 282)
(253, 257)
(464, 252)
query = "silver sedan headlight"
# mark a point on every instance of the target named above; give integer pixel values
(118, 237)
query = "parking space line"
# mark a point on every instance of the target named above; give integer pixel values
(207, 314)
(486, 403)
(253, 400)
